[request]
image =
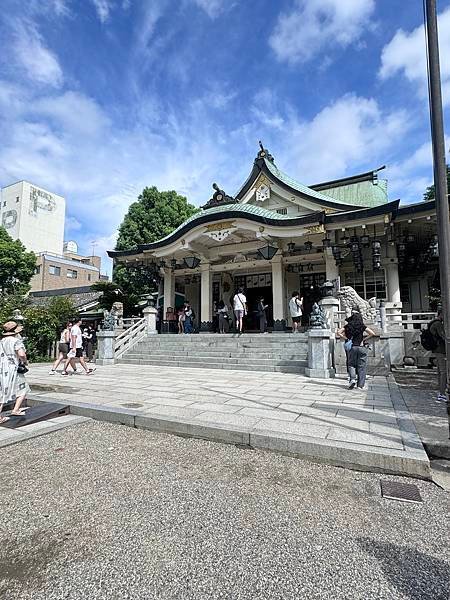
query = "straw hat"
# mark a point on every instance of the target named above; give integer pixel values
(11, 328)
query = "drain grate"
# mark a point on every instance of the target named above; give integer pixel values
(406, 492)
(132, 405)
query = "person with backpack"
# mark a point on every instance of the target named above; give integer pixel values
(358, 333)
(436, 344)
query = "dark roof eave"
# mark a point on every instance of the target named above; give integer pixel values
(316, 217)
(369, 176)
(365, 213)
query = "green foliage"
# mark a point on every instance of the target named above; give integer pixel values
(17, 266)
(42, 324)
(434, 298)
(430, 192)
(152, 217)
(111, 293)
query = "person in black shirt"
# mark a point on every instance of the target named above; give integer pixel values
(358, 333)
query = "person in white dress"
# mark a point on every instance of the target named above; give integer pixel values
(13, 357)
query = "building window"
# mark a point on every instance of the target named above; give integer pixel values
(72, 274)
(4, 202)
(37, 270)
(54, 270)
(17, 199)
(89, 276)
(368, 284)
(282, 211)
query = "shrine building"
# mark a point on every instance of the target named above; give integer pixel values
(277, 235)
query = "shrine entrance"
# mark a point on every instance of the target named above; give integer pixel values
(256, 287)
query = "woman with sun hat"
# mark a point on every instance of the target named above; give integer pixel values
(13, 357)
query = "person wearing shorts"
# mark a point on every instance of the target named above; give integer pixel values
(295, 308)
(240, 308)
(76, 349)
(63, 347)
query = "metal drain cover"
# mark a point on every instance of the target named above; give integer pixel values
(406, 492)
(131, 405)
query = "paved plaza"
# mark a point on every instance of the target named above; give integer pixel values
(103, 512)
(318, 419)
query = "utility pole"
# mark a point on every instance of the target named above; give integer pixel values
(440, 170)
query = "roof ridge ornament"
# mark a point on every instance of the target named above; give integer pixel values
(219, 198)
(264, 153)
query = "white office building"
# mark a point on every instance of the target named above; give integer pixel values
(34, 216)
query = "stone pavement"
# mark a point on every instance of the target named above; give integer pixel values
(289, 413)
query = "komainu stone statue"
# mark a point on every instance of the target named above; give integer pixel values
(351, 300)
(117, 312)
(317, 318)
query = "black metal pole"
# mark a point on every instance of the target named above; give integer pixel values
(440, 171)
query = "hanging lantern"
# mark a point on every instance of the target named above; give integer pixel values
(191, 262)
(173, 264)
(291, 247)
(335, 250)
(376, 247)
(326, 242)
(162, 263)
(345, 240)
(268, 252)
(355, 245)
(401, 248)
(308, 246)
(376, 264)
(410, 238)
(365, 240)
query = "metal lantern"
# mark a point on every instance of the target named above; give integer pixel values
(162, 263)
(173, 264)
(268, 252)
(345, 240)
(365, 240)
(191, 262)
(376, 264)
(336, 250)
(308, 246)
(291, 247)
(410, 238)
(376, 247)
(326, 242)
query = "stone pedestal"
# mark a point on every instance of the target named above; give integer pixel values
(392, 346)
(330, 308)
(319, 355)
(150, 313)
(106, 342)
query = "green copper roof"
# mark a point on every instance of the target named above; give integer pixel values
(363, 193)
(296, 185)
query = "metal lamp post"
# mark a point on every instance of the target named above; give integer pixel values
(440, 170)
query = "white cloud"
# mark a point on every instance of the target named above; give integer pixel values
(40, 64)
(405, 54)
(213, 8)
(103, 8)
(314, 25)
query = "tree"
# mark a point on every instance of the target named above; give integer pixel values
(154, 215)
(430, 193)
(17, 266)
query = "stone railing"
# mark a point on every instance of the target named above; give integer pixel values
(113, 344)
(130, 337)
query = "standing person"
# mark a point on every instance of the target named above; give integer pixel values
(87, 342)
(357, 360)
(222, 311)
(240, 308)
(63, 347)
(261, 310)
(437, 330)
(345, 334)
(76, 349)
(181, 320)
(13, 358)
(296, 310)
(188, 316)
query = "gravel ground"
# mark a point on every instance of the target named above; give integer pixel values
(100, 511)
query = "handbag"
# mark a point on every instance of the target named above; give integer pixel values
(22, 368)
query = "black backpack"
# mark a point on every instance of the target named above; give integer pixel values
(427, 339)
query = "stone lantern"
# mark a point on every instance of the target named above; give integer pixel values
(327, 288)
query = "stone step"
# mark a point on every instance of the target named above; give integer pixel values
(213, 365)
(235, 336)
(250, 355)
(180, 343)
(187, 361)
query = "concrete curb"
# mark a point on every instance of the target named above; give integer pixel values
(413, 463)
(9, 437)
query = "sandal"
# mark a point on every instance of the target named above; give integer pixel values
(3, 420)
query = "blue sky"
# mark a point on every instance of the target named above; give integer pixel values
(99, 98)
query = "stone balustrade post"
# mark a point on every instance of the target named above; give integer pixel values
(330, 308)
(150, 314)
(319, 354)
(105, 347)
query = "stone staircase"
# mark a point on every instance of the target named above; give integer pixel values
(282, 352)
